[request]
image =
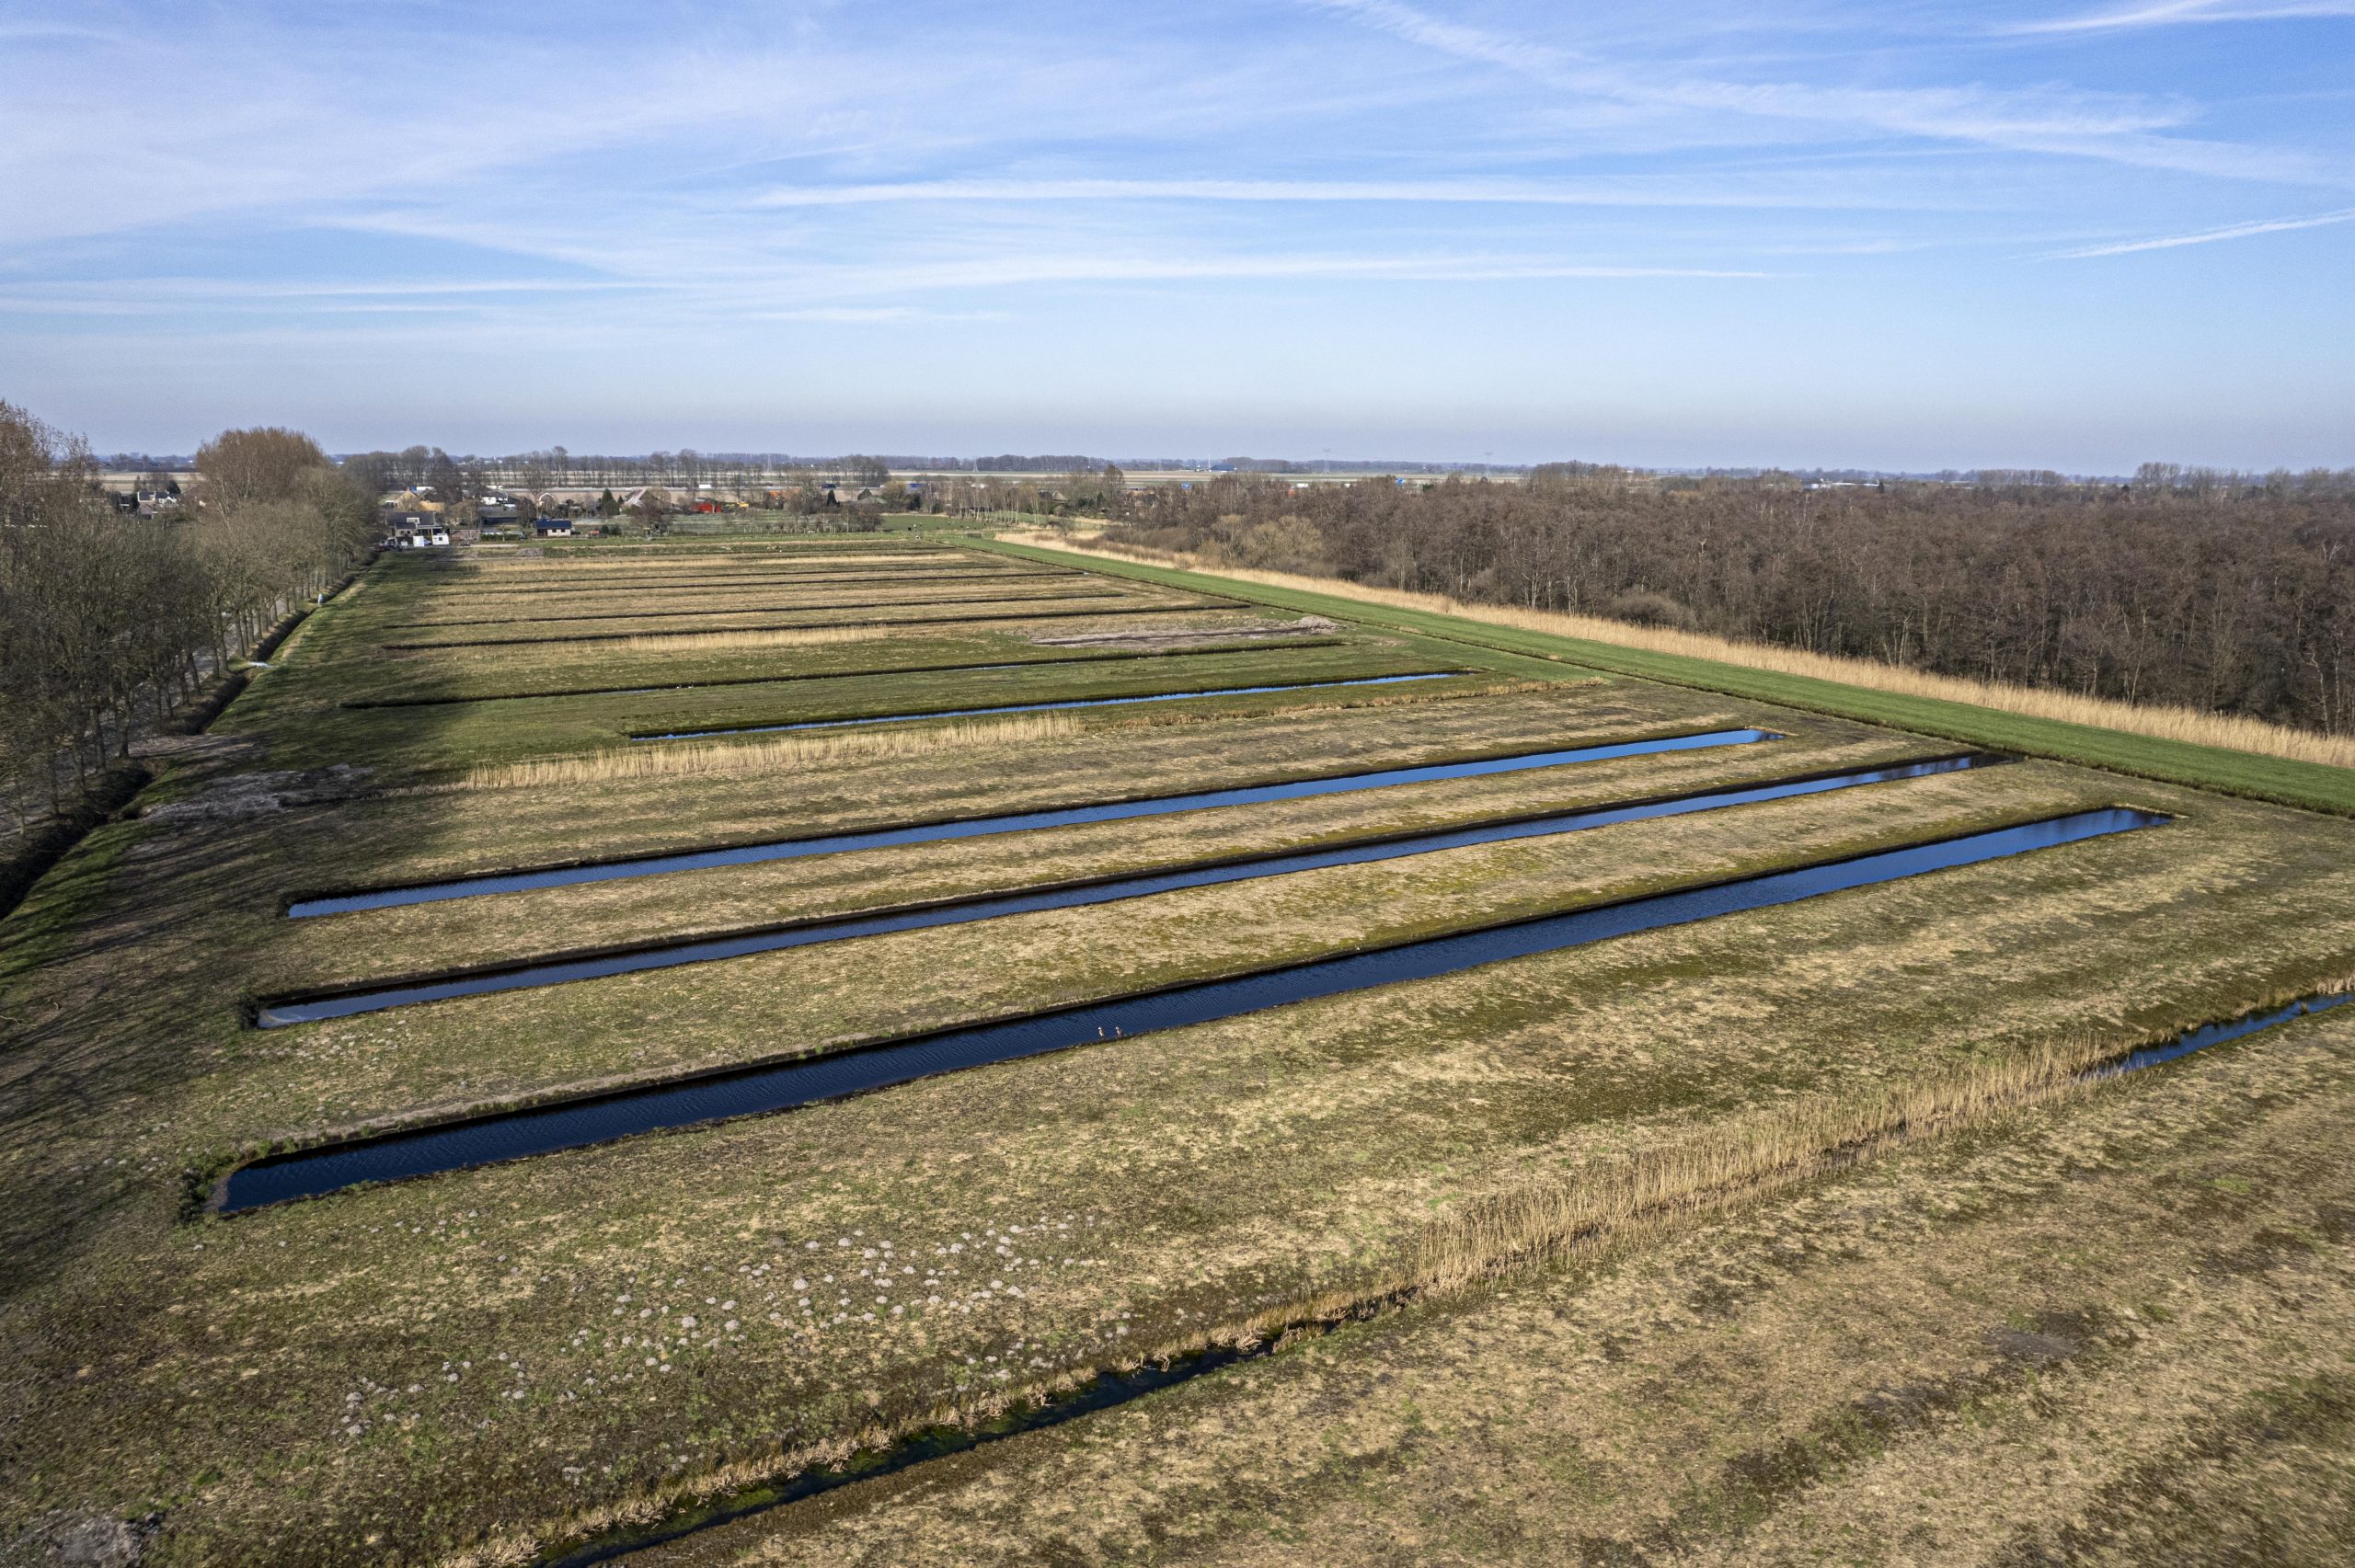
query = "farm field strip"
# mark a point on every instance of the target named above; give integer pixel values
(547, 1130)
(1066, 703)
(957, 618)
(924, 560)
(1046, 661)
(516, 600)
(470, 594)
(638, 958)
(902, 603)
(944, 830)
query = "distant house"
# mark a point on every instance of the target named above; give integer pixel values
(553, 527)
(415, 531)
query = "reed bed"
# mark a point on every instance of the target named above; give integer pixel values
(743, 758)
(2191, 725)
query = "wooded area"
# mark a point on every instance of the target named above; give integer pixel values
(2217, 593)
(110, 621)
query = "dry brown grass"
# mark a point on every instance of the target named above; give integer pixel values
(2229, 731)
(741, 758)
(811, 637)
(1738, 1158)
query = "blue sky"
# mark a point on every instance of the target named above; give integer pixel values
(2074, 235)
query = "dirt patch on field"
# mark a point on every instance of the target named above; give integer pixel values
(243, 796)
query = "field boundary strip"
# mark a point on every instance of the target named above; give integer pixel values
(822, 626)
(759, 609)
(2312, 786)
(1051, 663)
(1056, 706)
(1119, 807)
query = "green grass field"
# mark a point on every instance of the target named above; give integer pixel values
(1795, 1320)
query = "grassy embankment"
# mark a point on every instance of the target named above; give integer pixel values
(504, 1355)
(2231, 756)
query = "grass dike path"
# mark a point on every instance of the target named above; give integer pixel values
(2286, 781)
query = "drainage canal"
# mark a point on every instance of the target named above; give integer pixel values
(1016, 822)
(1067, 702)
(880, 1064)
(831, 675)
(1220, 606)
(1079, 893)
(2208, 1035)
(1110, 1389)
(765, 610)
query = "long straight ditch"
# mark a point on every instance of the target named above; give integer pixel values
(1220, 606)
(732, 1093)
(1054, 663)
(766, 608)
(1076, 893)
(940, 829)
(1045, 707)
(1113, 1387)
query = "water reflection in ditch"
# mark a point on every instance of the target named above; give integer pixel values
(529, 976)
(749, 1091)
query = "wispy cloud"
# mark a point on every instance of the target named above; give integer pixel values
(2182, 13)
(2112, 127)
(2207, 236)
(1622, 191)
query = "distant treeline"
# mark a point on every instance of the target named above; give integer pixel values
(108, 620)
(2227, 593)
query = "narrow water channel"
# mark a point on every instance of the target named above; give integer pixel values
(759, 1090)
(1119, 810)
(1110, 1389)
(1080, 893)
(1067, 702)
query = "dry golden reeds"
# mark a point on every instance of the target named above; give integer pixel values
(743, 758)
(781, 637)
(1723, 1163)
(2230, 731)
